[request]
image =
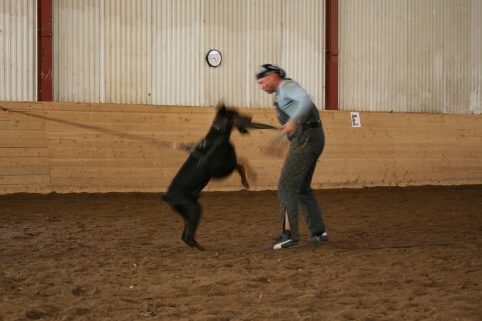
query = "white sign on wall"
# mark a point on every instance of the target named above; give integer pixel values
(355, 119)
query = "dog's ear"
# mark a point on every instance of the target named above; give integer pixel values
(221, 106)
(221, 110)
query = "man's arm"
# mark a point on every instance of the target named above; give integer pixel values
(301, 100)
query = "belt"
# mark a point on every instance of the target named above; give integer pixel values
(311, 125)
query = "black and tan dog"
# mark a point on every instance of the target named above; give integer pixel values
(213, 157)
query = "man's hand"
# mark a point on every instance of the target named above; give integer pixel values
(289, 128)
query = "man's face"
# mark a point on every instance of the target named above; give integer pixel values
(268, 83)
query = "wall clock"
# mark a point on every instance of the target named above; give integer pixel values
(214, 58)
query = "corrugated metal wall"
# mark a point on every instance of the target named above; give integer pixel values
(153, 51)
(224, 29)
(177, 52)
(395, 55)
(18, 50)
(102, 51)
(410, 55)
(79, 72)
(476, 57)
(127, 44)
(304, 46)
(463, 64)
(264, 43)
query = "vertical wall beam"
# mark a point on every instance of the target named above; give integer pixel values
(44, 50)
(331, 59)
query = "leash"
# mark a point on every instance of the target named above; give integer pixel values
(85, 126)
(188, 147)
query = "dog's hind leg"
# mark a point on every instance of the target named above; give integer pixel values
(193, 243)
(184, 230)
(242, 172)
(190, 211)
(188, 235)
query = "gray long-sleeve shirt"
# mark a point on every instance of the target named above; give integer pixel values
(293, 103)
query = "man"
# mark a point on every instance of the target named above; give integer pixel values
(301, 123)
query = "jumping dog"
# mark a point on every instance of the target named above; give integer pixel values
(212, 157)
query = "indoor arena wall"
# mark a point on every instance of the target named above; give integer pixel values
(81, 147)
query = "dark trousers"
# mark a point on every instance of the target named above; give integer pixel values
(294, 187)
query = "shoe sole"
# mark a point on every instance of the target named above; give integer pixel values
(287, 247)
(318, 242)
(280, 246)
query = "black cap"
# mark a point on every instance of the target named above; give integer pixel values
(267, 69)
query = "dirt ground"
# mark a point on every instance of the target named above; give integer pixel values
(410, 253)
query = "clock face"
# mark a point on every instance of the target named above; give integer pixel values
(214, 58)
